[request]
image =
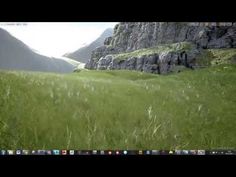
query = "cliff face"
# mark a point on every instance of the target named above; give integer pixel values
(131, 37)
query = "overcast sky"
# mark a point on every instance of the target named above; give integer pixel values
(56, 39)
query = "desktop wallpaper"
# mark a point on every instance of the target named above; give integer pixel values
(118, 85)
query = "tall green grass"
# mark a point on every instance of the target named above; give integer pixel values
(118, 110)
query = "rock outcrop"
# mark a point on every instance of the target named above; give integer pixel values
(131, 37)
(156, 62)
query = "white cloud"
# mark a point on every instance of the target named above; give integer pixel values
(56, 39)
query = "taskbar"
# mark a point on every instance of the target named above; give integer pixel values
(117, 152)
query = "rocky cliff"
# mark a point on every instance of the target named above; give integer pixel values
(160, 47)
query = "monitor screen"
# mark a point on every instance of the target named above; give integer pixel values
(117, 88)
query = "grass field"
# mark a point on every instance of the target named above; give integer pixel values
(118, 110)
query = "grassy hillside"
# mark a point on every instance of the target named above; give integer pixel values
(173, 47)
(118, 110)
(212, 57)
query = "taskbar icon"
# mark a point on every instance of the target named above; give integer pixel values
(71, 152)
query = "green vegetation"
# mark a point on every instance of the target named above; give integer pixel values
(118, 110)
(180, 46)
(217, 56)
(77, 70)
(223, 56)
(207, 58)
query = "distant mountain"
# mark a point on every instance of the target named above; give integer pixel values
(84, 53)
(15, 55)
